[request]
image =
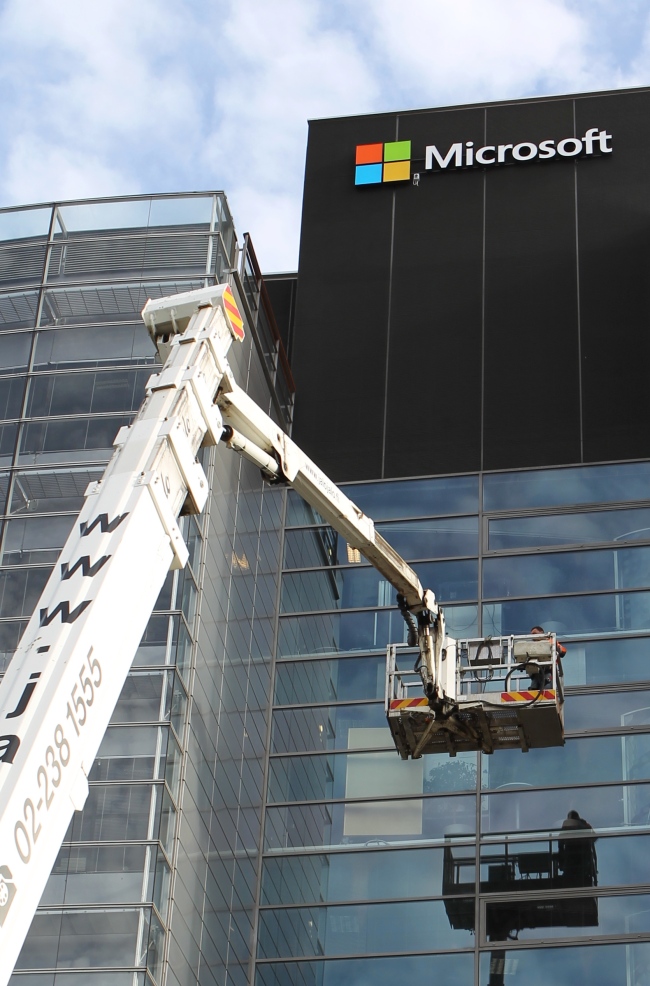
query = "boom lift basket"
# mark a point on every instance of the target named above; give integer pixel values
(508, 695)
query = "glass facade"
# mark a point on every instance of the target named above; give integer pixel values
(155, 882)
(471, 869)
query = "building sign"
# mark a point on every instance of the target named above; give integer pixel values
(391, 162)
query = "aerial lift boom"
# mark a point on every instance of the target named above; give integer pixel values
(59, 692)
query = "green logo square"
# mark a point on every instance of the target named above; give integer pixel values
(397, 150)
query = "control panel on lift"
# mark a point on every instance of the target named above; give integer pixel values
(507, 694)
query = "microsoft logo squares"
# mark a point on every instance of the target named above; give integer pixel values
(376, 163)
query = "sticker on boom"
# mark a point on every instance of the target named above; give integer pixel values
(235, 320)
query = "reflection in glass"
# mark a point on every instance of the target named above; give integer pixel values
(369, 823)
(373, 630)
(402, 498)
(558, 487)
(352, 876)
(300, 682)
(601, 614)
(75, 348)
(578, 571)
(452, 970)
(340, 588)
(602, 965)
(558, 529)
(365, 929)
(312, 778)
(99, 875)
(593, 760)
(82, 939)
(329, 728)
(528, 810)
(441, 538)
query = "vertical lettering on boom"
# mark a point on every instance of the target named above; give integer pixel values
(23, 701)
(8, 748)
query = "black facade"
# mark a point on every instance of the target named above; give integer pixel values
(486, 317)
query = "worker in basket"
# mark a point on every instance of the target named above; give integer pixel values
(544, 677)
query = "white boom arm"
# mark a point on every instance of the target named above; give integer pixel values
(59, 692)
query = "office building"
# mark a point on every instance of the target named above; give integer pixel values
(467, 335)
(156, 881)
(470, 353)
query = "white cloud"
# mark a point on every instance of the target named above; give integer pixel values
(162, 95)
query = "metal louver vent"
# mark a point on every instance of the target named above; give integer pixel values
(45, 485)
(124, 301)
(24, 263)
(127, 255)
(18, 308)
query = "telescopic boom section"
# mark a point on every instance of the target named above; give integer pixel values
(250, 431)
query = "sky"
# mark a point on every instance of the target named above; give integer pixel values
(120, 97)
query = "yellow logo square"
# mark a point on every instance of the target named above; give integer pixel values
(397, 171)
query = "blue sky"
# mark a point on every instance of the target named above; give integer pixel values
(127, 96)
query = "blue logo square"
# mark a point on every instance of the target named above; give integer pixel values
(368, 174)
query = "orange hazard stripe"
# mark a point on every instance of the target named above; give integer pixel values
(233, 313)
(548, 693)
(408, 703)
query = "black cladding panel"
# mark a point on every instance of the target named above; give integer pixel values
(339, 353)
(532, 385)
(488, 317)
(614, 230)
(434, 369)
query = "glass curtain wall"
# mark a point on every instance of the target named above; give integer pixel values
(148, 870)
(493, 870)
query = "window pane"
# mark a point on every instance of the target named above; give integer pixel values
(582, 761)
(117, 812)
(12, 390)
(67, 348)
(71, 440)
(557, 487)
(130, 753)
(81, 938)
(369, 822)
(569, 917)
(607, 613)
(328, 728)
(366, 929)
(598, 965)
(546, 574)
(599, 662)
(336, 633)
(20, 224)
(340, 588)
(97, 875)
(622, 860)
(302, 682)
(14, 351)
(605, 711)
(354, 876)
(442, 538)
(404, 498)
(452, 970)
(20, 590)
(35, 539)
(86, 393)
(584, 528)
(140, 698)
(312, 778)
(525, 810)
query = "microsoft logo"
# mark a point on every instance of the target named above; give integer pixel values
(376, 163)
